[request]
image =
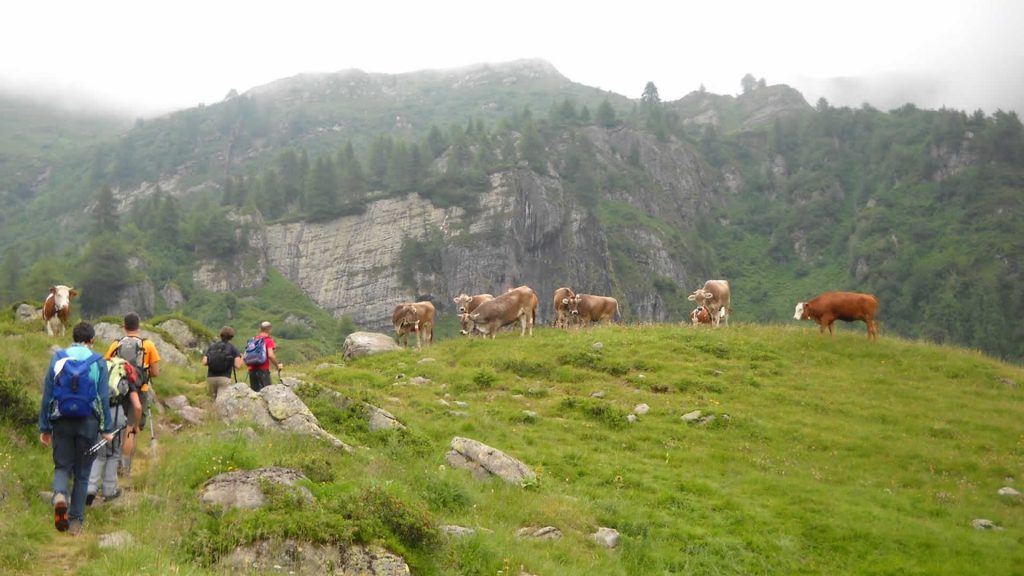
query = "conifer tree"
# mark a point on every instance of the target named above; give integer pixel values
(104, 212)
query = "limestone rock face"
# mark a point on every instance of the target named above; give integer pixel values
(528, 231)
(247, 268)
(350, 266)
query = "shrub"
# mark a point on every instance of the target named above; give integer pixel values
(16, 407)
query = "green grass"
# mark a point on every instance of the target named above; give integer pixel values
(838, 456)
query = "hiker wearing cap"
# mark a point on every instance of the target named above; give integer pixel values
(75, 409)
(259, 355)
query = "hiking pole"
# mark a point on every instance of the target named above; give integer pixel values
(95, 448)
(280, 380)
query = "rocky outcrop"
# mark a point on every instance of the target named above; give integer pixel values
(275, 407)
(242, 488)
(308, 559)
(28, 313)
(184, 335)
(359, 344)
(246, 268)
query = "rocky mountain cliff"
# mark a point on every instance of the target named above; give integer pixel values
(530, 230)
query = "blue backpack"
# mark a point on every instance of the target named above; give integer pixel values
(74, 387)
(255, 351)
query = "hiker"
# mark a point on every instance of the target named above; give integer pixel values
(142, 354)
(221, 359)
(73, 413)
(123, 385)
(259, 355)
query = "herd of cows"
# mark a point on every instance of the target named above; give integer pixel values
(485, 314)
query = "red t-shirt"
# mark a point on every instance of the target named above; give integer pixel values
(269, 343)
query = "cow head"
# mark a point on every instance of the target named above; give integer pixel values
(700, 296)
(573, 302)
(62, 296)
(799, 313)
(466, 324)
(461, 301)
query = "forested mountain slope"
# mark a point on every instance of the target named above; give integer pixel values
(365, 190)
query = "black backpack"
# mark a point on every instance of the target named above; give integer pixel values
(219, 357)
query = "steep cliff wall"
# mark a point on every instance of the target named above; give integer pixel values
(530, 230)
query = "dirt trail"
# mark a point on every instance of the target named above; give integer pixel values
(66, 554)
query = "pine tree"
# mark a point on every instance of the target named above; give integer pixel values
(104, 212)
(606, 115)
(321, 191)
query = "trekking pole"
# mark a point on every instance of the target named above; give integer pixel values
(280, 380)
(95, 448)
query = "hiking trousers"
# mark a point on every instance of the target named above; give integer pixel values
(71, 439)
(104, 468)
(259, 379)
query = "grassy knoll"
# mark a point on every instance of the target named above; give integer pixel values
(838, 456)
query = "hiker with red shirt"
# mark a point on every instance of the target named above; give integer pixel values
(259, 374)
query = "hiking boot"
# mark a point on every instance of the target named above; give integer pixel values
(60, 512)
(75, 528)
(113, 496)
(89, 498)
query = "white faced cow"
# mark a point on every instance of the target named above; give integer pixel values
(587, 308)
(828, 307)
(467, 303)
(561, 306)
(716, 298)
(518, 304)
(413, 317)
(57, 309)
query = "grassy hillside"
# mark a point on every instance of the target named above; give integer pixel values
(838, 456)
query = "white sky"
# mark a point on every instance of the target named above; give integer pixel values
(150, 56)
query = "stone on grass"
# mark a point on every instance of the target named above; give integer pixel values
(542, 533)
(607, 537)
(484, 462)
(242, 488)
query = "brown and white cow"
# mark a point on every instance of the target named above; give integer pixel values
(561, 305)
(587, 308)
(57, 309)
(518, 304)
(700, 315)
(413, 317)
(827, 307)
(467, 303)
(716, 298)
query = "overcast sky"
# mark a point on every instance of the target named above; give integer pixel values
(150, 56)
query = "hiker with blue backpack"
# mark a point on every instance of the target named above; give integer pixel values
(259, 355)
(221, 360)
(74, 413)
